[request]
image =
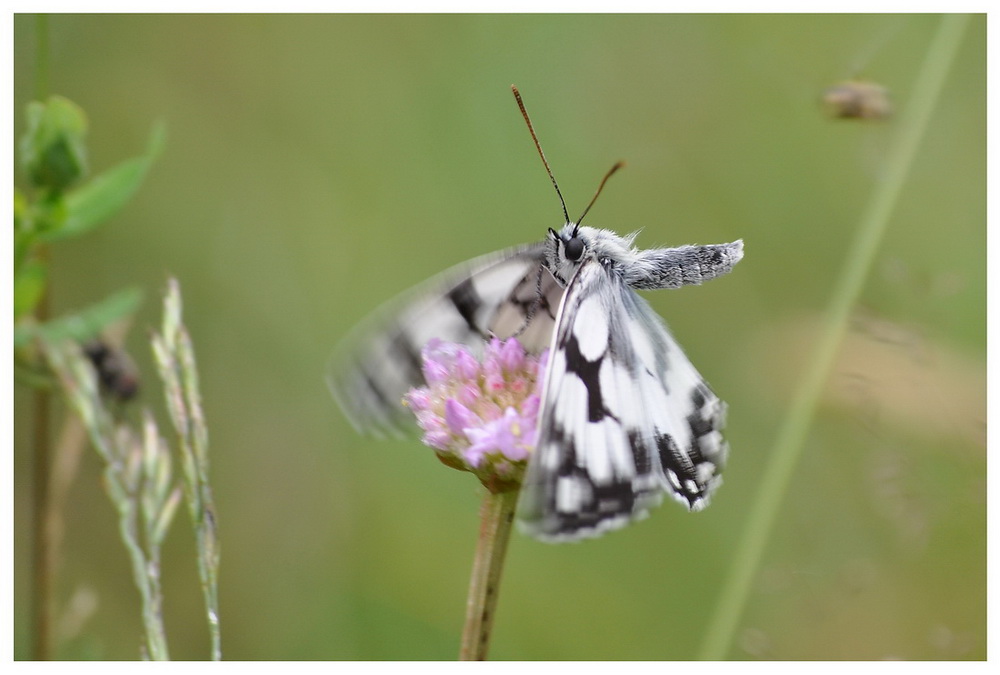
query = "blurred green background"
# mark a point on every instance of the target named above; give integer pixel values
(318, 165)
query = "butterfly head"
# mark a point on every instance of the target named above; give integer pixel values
(573, 245)
(565, 251)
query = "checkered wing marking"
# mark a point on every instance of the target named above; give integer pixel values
(625, 417)
(504, 294)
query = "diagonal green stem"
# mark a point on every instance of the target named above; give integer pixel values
(792, 435)
(496, 517)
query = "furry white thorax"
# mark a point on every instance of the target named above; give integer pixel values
(605, 246)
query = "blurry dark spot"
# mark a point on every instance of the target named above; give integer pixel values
(116, 371)
(856, 99)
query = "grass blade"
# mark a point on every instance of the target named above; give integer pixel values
(792, 434)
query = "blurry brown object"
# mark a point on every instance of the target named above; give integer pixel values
(115, 369)
(856, 99)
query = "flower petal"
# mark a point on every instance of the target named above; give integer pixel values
(512, 355)
(529, 408)
(435, 372)
(439, 440)
(466, 365)
(459, 417)
(418, 399)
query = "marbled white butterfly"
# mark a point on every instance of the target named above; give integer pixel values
(624, 415)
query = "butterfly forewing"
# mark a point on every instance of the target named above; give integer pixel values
(381, 360)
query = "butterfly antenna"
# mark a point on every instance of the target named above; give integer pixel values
(524, 113)
(599, 188)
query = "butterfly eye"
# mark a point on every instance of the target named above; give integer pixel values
(574, 249)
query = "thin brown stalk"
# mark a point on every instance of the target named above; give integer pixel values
(496, 518)
(43, 549)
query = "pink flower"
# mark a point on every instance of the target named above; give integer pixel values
(480, 417)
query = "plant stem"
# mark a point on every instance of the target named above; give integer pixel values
(496, 517)
(42, 54)
(792, 434)
(60, 470)
(43, 548)
(46, 537)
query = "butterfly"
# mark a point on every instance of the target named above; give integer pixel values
(624, 417)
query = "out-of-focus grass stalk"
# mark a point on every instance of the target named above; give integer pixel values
(496, 516)
(44, 561)
(137, 477)
(175, 361)
(138, 473)
(913, 123)
(43, 547)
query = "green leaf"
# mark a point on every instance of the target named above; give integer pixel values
(29, 285)
(52, 149)
(83, 325)
(48, 215)
(22, 212)
(105, 195)
(24, 229)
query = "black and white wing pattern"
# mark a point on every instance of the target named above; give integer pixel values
(505, 294)
(625, 417)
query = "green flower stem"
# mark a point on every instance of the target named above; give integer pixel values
(792, 435)
(496, 517)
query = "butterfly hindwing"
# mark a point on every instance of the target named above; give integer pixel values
(624, 417)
